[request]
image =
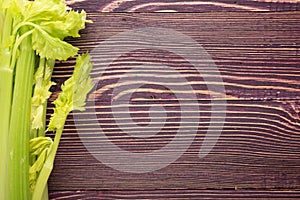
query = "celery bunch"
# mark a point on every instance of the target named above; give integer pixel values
(31, 39)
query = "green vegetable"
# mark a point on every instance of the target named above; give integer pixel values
(31, 39)
(72, 97)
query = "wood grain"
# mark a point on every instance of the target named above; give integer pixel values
(257, 55)
(258, 148)
(176, 194)
(184, 6)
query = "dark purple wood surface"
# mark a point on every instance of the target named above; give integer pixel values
(257, 53)
(184, 6)
(177, 194)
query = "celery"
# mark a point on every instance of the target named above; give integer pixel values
(31, 39)
(47, 168)
(20, 123)
(40, 96)
(5, 101)
(72, 97)
(6, 85)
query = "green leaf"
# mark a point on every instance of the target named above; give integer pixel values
(83, 82)
(70, 25)
(45, 10)
(74, 92)
(74, 22)
(41, 93)
(51, 47)
(54, 17)
(38, 144)
(52, 21)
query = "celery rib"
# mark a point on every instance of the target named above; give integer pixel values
(26, 36)
(19, 132)
(16, 46)
(6, 78)
(6, 87)
(47, 168)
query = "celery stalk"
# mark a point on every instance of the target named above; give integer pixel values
(25, 152)
(47, 169)
(6, 87)
(47, 66)
(45, 194)
(5, 105)
(19, 132)
(1, 23)
(72, 97)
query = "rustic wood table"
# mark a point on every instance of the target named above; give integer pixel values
(255, 48)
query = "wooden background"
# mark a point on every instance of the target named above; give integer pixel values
(256, 47)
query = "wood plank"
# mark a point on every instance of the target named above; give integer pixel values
(258, 148)
(176, 194)
(184, 6)
(256, 54)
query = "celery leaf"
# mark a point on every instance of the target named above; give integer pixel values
(52, 47)
(74, 92)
